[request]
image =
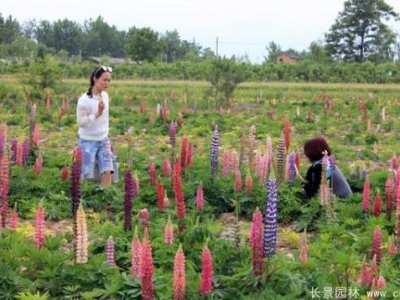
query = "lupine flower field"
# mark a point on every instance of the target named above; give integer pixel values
(207, 203)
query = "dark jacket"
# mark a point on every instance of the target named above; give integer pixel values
(337, 181)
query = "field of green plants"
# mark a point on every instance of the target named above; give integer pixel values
(187, 218)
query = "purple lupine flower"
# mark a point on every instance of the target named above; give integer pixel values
(128, 200)
(271, 217)
(214, 153)
(292, 168)
(280, 159)
(110, 249)
(25, 152)
(75, 181)
(172, 133)
(13, 148)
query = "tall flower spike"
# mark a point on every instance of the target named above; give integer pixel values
(13, 223)
(184, 152)
(179, 196)
(200, 198)
(179, 275)
(206, 272)
(287, 133)
(214, 153)
(377, 205)
(160, 195)
(4, 189)
(152, 171)
(145, 219)
(64, 173)
(40, 227)
(392, 248)
(166, 167)
(303, 248)
(365, 275)
(377, 245)
(110, 252)
(128, 200)
(81, 244)
(397, 224)
(271, 217)
(291, 168)
(169, 232)
(281, 161)
(395, 163)
(249, 183)
(257, 242)
(225, 163)
(136, 247)
(390, 196)
(146, 269)
(238, 181)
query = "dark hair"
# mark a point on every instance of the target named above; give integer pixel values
(97, 72)
(314, 147)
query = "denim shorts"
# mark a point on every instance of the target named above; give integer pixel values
(96, 153)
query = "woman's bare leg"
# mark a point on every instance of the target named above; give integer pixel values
(106, 179)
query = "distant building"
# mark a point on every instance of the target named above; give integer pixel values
(286, 58)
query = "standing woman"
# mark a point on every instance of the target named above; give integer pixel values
(93, 120)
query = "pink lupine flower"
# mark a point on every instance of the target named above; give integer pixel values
(13, 222)
(35, 134)
(81, 245)
(169, 232)
(395, 163)
(238, 181)
(39, 227)
(189, 157)
(166, 167)
(303, 249)
(365, 275)
(144, 218)
(136, 248)
(110, 252)
(179, 275)
(166, 200)
(152, 171)
(257, 242)
(377, 245)
(249, 184)
(4, 188)
(397, 222)
(390, 193)
(37, 168)
(225, 163)
(18, 159)
(380, 282)
(392, 248)
(146, 269)
(184, 151)
(206, 272)
(234, 161)
(366, 195)
(377, 205)
(200, 198)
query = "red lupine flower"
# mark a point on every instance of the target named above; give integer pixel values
(152, 171)
(39, 227)
(297, 161)
(13, 222)
(4, 188)
(200, 198)
(377, 245)
(206, 272)
(146, 269)
(249, 184)
(287, 133)
(166, 167)
(136, 248)
(377, 205)
(179, 275)
(238, 181)
(257, 242)
(35, 134)
(169, 232)
(366, 195)
(179, 197)
(64, 173)
(160, 195)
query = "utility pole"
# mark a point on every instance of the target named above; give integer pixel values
(216, 47)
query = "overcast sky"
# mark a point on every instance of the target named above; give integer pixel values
(242, 27)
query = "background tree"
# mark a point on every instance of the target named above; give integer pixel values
(9, 30)
(224, 75)
(359, 32)
(274, 50)
(142, 44)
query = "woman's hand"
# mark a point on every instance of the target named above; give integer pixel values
(298, 176)
(100, 108)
